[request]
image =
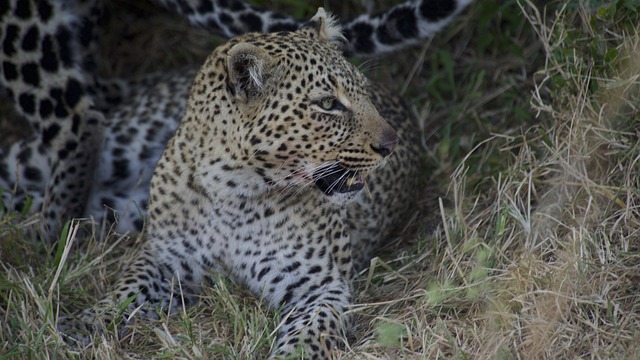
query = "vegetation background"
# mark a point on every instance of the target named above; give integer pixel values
(526, 245)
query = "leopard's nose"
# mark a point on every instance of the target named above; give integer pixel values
(387, 144)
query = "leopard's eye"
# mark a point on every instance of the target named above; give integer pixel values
(326, 103)
(330, 103)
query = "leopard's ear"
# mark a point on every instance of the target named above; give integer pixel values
(248, 69)
(326, 27)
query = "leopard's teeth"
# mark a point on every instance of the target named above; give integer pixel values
(351, 181)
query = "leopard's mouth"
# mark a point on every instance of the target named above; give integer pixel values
(337, 179)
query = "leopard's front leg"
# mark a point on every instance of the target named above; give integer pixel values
(316, 322)
(312, 286)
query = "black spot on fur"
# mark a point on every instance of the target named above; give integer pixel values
(118, 152)
(30, 74)
(75, 124)
(327, 280)
(86, 32)
(10, 37)
(32, 173)
(92, 120)
(49, 133)
(4, 8)
(237, 6)
(60, 110)
(46, 108)
(303, 280)
(401, 23)
(435, 10)
(263, 272)
(71, 145)
(226, 18)
(291, 268)
(254, 23)
(255, 140)
(138, 223)
(124, 139)
(30, 39)
(44, 11)
(10, 71)
(287, 297)
(146, 153)
(27, 103)
(49, 59)
(121, 169)
(63, 154)
(360, 37)
(23, 9)
(63, 38)
(108, 203)
(206, 6)
(24, 155)
(73, 92)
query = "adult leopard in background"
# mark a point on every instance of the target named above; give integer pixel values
(264, 181)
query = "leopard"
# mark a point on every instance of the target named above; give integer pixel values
(288, 169)
(78, 160)
(41, 74)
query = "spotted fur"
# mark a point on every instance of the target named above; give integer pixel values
(46, 73)
(400, 26)
(242, 187)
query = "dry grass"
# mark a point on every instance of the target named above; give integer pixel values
(529, 248)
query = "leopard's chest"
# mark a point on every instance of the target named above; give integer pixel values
(263, 244)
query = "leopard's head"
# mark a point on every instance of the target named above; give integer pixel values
(299, 114)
